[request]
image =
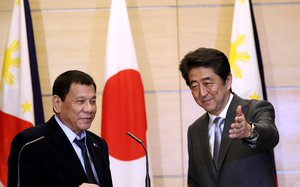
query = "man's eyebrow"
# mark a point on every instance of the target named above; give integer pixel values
(192, 81)
(84, 97)
(203, 79)
(206, 78)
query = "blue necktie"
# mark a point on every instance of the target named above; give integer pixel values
(87, 164)
(218, 121)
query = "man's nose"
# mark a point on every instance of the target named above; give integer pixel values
(203, 90)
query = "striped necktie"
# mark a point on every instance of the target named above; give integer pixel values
(218, 121)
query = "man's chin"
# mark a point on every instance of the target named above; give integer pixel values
(85, 126)
(86, 121)
(209, 108)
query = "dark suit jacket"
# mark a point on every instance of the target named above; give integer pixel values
(52, 161)
(239, 165)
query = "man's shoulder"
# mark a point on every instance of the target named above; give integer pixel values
(256, 104)
(252, 103)
(28, 136)
(34, 132)
(95, 137)
(202, 119)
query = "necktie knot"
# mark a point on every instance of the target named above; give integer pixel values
(80, 143)
(218, 121)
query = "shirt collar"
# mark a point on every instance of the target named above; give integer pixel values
(68, 132)
(224, 111)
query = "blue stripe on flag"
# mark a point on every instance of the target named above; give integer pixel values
(258, 53)
(36, 88)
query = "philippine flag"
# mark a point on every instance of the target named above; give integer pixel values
(20, 94)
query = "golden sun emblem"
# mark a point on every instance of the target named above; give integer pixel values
(235, 56)
(9, 62)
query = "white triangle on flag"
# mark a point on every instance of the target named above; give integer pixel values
(243, 57)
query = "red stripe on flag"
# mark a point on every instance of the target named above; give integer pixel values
(9, 127)
(123, 109)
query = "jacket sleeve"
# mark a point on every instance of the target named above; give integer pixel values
(191, 178)
(262, 115)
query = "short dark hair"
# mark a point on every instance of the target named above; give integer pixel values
(205, 57)
(63, 82)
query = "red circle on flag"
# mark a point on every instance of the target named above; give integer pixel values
(123, 110)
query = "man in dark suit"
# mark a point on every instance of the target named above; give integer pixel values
(49, 155)
(231, 145)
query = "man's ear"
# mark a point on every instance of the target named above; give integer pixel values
(228, 81)
(56, 104)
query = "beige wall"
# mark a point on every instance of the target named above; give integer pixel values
(71, 34)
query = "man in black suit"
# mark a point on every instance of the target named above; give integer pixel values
(48, 155)
(231, 145)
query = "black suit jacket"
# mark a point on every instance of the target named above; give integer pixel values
(48, 158)
(239, 165)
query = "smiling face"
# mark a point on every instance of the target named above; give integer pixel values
(209, 90)
(78, 109)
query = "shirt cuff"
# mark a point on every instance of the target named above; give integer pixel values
(252, 141)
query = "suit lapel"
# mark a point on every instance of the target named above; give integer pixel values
(64, 154)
